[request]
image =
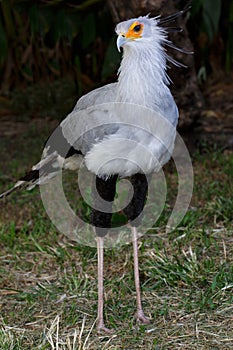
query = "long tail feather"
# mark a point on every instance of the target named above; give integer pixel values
(57, 154)
(44, 171)
(19, 185)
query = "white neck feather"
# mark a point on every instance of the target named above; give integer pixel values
(142, 74)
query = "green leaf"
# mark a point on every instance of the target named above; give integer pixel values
(40, 19)
(89, 30)
(229, 45)
(212, 11)
(208, 26)
(196, 7)
(74, 22)
(59, 27)
(34, 18)
(3, 44)
(65, 25)
(8, 19)
(86, 4)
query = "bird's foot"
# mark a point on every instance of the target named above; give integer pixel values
(140, 317)
(101, 328)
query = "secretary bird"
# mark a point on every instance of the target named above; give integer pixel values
(142, 81)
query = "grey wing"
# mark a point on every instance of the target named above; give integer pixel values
(67, 149)
(106, 93)
(168, 108)
(89, 131)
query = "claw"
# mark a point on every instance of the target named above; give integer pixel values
(140, 317)
(101, 328)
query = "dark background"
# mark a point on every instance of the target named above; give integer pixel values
(54, 51)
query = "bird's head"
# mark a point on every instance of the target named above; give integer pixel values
(147, 33)
(136, 31)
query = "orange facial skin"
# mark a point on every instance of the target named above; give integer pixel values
(135, 31)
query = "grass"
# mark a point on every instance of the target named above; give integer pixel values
(48, 286)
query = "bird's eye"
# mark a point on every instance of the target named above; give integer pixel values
(137, 28)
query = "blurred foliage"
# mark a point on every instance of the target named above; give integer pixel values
(208, 14)
(211, 29)
(47, 39)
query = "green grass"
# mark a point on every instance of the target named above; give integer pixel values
(48, 286)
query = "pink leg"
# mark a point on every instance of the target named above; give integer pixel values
(140, 313)
(100, 318)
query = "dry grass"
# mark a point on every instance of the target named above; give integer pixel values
(48, 295)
